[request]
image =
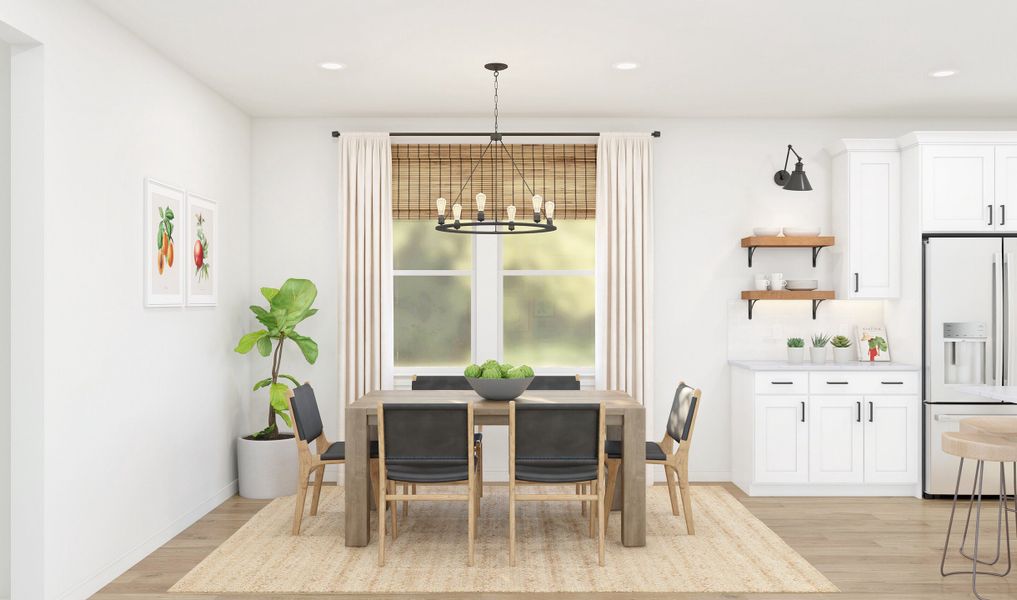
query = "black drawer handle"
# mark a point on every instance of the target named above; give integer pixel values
(870, 412)
(836, 383)
(859, 419)
(803, 411)
(782, 383)
(892, 382)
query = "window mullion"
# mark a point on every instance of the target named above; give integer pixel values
(487, 301)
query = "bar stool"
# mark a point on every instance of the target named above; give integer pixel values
(981, 447)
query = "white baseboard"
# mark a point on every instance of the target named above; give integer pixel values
(831, 489)
(130, 558)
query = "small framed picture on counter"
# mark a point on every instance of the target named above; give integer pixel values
(872, 344)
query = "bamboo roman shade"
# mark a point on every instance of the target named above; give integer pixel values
(563, 173)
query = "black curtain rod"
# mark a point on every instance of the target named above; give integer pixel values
(336, 134)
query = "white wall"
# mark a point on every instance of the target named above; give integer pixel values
(713, 184)
(140, 406)
(5, 316)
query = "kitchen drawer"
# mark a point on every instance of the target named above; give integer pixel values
(856, 382)
(782, 382)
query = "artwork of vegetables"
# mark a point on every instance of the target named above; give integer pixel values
(164, 237)
(492, 369)
(200, 248)
(202, 232)
(872, 344)
(288, 306)
(164, 226)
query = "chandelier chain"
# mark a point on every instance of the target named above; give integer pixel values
(496, 101)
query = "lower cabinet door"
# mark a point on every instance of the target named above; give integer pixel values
(835, 439)
(782, 441)
(891, 439)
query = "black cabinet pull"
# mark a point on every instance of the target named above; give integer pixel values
(1002, 214)
(856, 283)
(870, 412)
(836, 383)
(990, 213)
(859, 417)
(781, 382)
(803, 411)
(892, 382)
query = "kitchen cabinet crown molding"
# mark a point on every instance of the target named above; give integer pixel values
(863, 145)
(956, 138)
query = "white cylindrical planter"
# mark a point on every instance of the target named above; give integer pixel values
(267, 468)
(818, 355)
(795, 356)
(843, 355)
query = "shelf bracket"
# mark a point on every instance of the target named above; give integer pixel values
(751, 304)
(815, 305)
(752, 250)
(815, 253)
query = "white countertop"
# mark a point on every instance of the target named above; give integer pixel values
(783, 365)
(999, 393)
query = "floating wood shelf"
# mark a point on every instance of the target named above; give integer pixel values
(816, 296)
(817, 243)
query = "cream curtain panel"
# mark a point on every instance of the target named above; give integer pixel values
(624, 342)
(365, 206)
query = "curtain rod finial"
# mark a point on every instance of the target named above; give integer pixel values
(655, 134)
(335, 134)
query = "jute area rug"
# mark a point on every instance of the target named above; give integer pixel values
(732, 551)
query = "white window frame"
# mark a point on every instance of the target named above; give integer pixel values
(486, 291)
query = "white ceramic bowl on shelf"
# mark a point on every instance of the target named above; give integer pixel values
(802, 285)
(801, 231)
(766, 231)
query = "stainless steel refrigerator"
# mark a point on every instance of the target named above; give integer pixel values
(970, 313)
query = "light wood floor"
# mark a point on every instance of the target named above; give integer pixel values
(869, 547)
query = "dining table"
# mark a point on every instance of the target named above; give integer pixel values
(626, 419)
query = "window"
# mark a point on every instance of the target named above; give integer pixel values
(516, 298)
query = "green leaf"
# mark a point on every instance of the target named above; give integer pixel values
(285, 417)
(261, 384)
(169, 213)
(248, 341)
(277, 396)
(265, 346)
(158, 236)
(291, 378)
(162, 215)
(265, 433)
(269, 293)
(308, 346)
(295, 296)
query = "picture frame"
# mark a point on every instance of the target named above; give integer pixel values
(163, 273)
(203, 247)
(873, 344)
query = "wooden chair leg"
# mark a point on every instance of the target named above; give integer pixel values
(612, 482)
(298, 515)
(670, 489)
(582, 505)
(319, 476)
(382, 489)
(394, 509)
(406, 503)
(480, 470)
(374, 483)
(683, 484)
(593, 515)
(512, 524)
(472, 525)
(601, 515)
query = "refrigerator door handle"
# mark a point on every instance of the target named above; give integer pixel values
(995, 311)
(1004, 341)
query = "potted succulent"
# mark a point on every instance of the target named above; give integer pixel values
(267, 459)
(818, 351)
(842, 351)
(795, 350)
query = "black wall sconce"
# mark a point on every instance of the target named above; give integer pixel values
(796, 181)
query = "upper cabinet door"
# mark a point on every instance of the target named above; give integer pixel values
(874, 236)
(958, 188)
(1006, 188)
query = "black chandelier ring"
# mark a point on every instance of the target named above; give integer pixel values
(476, 227)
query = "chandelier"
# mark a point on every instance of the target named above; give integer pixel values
(543, 212)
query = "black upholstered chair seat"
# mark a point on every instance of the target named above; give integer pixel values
(556, 471)
(613, 449)
(422, 471)
(478, 437)
(337, 451)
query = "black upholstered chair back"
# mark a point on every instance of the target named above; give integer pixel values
(439, 382)
(557, 433)
(554, 382)
(435, 433)
(306, 417)
(683, 412)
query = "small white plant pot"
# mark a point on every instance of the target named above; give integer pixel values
(842, 356)
(818, 355)
(796, 356)
(267, 468)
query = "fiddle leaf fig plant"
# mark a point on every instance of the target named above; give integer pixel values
(288, 306)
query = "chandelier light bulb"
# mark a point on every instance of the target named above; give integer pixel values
(481, 203)
(441, 202)
(511, 211)
(457, 211)
(537, 201)
(549, 210)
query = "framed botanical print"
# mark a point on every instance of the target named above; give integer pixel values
(203, 251)
(872, 344)
(163, 233)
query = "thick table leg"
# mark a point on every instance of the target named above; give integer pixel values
(358, 502)
(633, 476)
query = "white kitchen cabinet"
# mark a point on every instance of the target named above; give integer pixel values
(958, 187)
(825, 431)
(891, 439)
(781, 439)
(835, 439)
(1006, 187)
(866, 218)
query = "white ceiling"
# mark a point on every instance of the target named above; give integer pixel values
(698, 57)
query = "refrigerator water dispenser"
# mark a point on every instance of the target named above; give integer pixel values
(964, 352)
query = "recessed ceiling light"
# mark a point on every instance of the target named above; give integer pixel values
(332, 66)
(626, 66)
(943, 73)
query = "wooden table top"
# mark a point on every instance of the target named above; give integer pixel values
(615, 402)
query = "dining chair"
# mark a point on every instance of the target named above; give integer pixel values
(307, 425)
(672, 452)
(452, 382)
(553, 444)
(430, 444)
(554, 382)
